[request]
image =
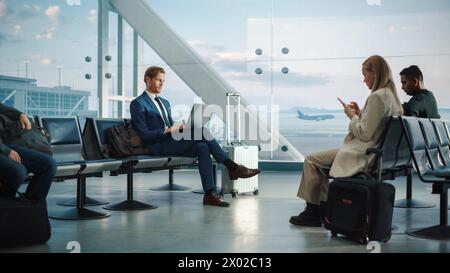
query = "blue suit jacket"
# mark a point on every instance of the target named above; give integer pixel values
(148, 122)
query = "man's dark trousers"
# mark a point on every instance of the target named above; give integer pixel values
(202, 149)
(14, 174)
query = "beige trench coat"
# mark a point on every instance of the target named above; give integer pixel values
(364, 132)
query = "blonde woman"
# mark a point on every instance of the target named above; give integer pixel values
(365, 128)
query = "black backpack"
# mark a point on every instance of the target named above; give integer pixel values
(360, 208)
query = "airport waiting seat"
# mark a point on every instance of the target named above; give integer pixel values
(447, 126)
(423, 148)
(176, 162)
(394, 160)
(436, 158)
(95, 130)
(444, 141)
(94, 133)
(66, 141)
(69, 156)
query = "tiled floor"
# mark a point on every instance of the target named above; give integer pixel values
(252, 224)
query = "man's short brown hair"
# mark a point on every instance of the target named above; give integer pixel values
(153, 71)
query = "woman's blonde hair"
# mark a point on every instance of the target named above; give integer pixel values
(383, 76)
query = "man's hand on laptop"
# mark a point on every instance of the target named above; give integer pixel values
(175, 128)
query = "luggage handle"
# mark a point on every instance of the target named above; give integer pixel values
(228, 118)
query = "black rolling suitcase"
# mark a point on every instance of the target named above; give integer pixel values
(360, 209)
(23, 222)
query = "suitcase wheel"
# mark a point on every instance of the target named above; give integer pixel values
(334, 234)
(256, 192)
(233, 194)
(364, 240)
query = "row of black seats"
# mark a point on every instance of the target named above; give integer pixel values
(79, 156)
(428, 141)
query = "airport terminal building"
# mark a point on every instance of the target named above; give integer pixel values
(26, 95)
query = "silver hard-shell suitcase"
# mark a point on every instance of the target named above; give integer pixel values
(241, 154)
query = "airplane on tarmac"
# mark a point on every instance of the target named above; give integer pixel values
(301, 115)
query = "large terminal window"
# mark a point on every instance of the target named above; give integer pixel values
(291, 59)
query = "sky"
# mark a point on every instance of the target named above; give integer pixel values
(327, 42)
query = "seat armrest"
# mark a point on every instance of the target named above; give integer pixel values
(376, 151)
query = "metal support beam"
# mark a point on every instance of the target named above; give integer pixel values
(102, 65)
(135, 63)
(9, 96)
(27, 97)
(120, 65)
(76, 106)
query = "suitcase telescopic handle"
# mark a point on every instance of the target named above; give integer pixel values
(228, 118)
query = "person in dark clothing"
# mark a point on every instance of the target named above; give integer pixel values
(422, 104)
(16, 162)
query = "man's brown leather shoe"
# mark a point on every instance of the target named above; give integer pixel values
(242, 172)
(214, 199)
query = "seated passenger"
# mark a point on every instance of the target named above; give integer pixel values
(422, 104)
(365, 128)
(16, 162)
(151, 116)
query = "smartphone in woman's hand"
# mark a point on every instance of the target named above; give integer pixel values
(341, 101)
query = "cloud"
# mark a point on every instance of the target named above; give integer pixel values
(5, 38)
(47, 34)
(17, 29)
(300, 80)
(46, 61)
(218, 54)
(232, 57)
(292, 79)
(391, 29)
(73, 2)
(29, 11)
(374, 2)
(92, 16)
(2, 39)
(205, 47)
(2, 8)
(19, 14)
(5, 10)
(240, 66)
(54, 14)
(41, 59)
(245, 71)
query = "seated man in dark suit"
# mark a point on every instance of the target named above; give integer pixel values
(151, 117)
(422, 104)
(16, 162)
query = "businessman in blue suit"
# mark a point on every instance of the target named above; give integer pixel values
(151, 117)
